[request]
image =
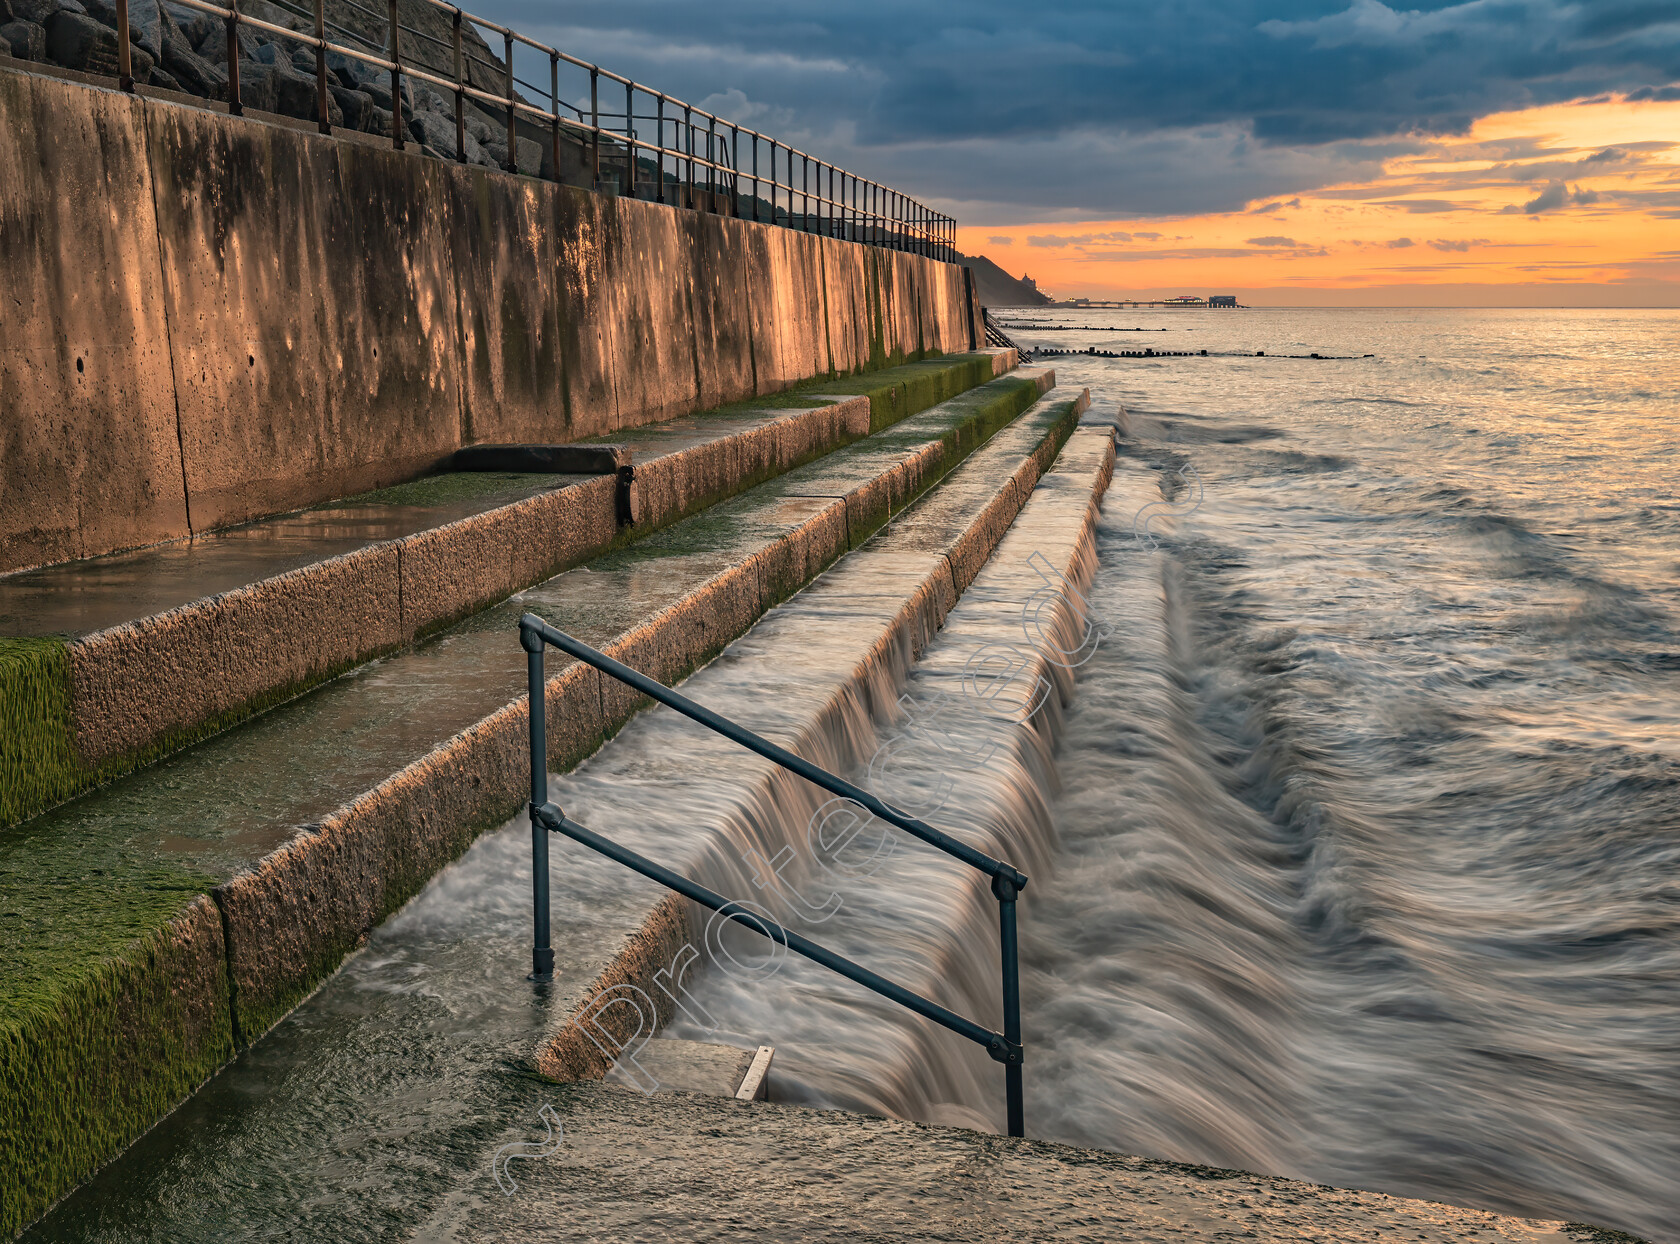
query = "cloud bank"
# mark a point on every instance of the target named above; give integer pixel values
(1103, 108)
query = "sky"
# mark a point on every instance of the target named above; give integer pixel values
(1494, 152)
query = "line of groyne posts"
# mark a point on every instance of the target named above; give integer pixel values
(693, 159)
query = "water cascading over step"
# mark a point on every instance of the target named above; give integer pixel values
(961, 738)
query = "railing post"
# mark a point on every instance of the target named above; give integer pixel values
(542, 954)
(661, 148)
(1005, 891)
(460, 97)
(513, 136)
(629, 147)
(688, 129)
(595, 127)
(711, 165)
(235, 107)
(324, 118)
(396, 80)
(735, 171)
(125, 57)
(554, 109)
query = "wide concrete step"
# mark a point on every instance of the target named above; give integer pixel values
(622, 1166)
(166, 919)
(418, 1054)
(109, 663)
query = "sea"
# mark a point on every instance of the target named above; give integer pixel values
(1369, 851)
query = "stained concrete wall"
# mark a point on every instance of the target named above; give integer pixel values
(204, 319)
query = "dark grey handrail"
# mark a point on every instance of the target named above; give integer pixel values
(1007, 881)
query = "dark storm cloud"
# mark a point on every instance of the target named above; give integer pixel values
(1109, 78)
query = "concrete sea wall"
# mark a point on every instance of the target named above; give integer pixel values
(205, 318)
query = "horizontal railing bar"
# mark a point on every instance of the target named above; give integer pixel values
(796, 764)
(994, 1043)
(851, 214)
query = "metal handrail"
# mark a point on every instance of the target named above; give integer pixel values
(535, 636)
(853, 207)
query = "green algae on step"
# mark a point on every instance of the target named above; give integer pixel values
(202, 816)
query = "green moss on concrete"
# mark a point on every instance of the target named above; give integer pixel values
(38, 765)
(104, 1024)
(52, 772)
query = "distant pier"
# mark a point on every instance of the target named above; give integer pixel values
(1214, 301)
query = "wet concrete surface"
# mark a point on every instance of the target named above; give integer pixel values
(77, 598)
(379, 1100)
(692, 1168)
(71, 879)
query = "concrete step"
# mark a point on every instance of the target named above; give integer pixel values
(687, 1168)
(110, 663)
(170, 917)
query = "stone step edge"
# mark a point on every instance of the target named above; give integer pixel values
(566, 1053)
(149, 687)
(294, 916)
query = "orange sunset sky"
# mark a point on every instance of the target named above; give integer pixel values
(1565, 205)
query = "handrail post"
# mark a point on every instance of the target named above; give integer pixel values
(235, 107)
(324, 119)
(542, 954)
(688, 128)
(460, 97)
(513, 137)
(595, 127)
(1005, 890)
(661, 178)
(554, 109)
(629, 133)
(125, 57)
(396, 80)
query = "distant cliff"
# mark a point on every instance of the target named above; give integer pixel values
(998, 289)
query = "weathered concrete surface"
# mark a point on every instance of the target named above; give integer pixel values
(328, 316)
(311, 312)
(311, 824)
(697, 1168)
(88, 454)
(153, 684)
